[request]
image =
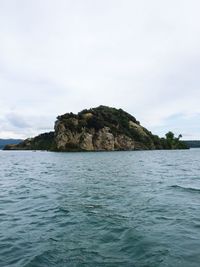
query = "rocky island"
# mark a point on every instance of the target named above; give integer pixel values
(98, 129)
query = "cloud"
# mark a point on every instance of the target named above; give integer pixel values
(21, 125)
(142, 56)
(17, 121)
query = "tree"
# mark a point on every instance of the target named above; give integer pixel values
(180, 136)
(170, 136)
(174, 142)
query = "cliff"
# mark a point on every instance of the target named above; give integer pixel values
(97, 129)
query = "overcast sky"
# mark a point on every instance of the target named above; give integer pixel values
(58, 56)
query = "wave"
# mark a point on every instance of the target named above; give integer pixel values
(186, 189)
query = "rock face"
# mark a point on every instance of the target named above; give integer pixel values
(97, 129)
(101, 129)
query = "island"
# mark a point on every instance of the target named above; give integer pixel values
(98, 129)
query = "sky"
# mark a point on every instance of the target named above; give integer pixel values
(59, 56)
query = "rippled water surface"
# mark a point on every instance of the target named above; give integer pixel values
(100, 209)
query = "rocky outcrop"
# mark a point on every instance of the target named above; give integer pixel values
(101, 129)
(97, 129)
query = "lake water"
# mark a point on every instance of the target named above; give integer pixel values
(138, 208)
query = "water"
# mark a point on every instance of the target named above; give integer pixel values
(137, 209)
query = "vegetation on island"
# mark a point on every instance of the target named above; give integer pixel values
(172, 142)
(43, 141)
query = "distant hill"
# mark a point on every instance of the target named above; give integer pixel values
(98, 129)
(192, 143)
(4, 142)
